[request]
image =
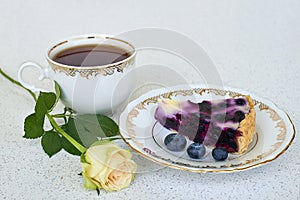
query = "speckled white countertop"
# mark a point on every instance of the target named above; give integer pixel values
(254, 44)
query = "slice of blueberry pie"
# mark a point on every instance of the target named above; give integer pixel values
(226, 123)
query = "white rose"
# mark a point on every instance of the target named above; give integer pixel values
(107, 166)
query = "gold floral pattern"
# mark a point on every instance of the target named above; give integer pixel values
(86, 72)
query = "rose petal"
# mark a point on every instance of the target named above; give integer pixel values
(108, 166)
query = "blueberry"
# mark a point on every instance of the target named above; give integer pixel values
(205, 118)
(239, 116)
(201, 128)
(240, 102)
(205, 106)
(171, 123)
(175, 142)
(178, 116)
(219, 153)
(196, 150)
(232, 144)
(230, 133)
(222, 139)
(198, 138)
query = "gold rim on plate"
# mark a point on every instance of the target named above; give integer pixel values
(133, 110)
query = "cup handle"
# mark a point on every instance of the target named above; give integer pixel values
(44, 73)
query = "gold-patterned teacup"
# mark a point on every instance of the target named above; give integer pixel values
(88, 89)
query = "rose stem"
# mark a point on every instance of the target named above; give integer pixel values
(18, 83)
(81, 148)
(78, 146)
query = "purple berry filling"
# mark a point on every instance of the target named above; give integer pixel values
(214, 123)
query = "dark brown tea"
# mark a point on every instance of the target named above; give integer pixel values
(91, 55)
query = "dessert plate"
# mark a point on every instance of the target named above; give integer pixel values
(274, 130)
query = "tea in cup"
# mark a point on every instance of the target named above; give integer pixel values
(88, 70)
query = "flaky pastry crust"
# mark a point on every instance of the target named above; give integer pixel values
(247, 128)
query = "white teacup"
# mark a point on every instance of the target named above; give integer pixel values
(94, 89)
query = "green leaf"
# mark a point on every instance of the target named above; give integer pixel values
(57, 92)
(33, 126)
(45, 103)
(82, 130)
(109, 126)
(86, 129)
(67, 146)
(51, 142)
(99, 125)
